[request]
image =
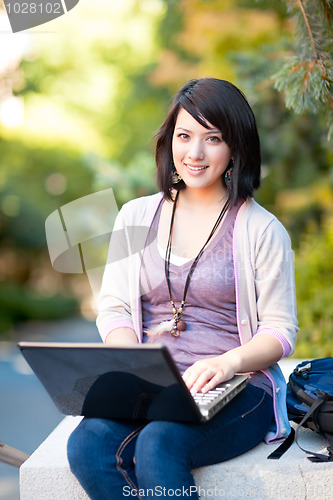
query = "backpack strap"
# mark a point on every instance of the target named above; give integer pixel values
(276, 454)
(316, 457)
(329, 438)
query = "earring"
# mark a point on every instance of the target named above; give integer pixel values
(175, 177)
(228, 173)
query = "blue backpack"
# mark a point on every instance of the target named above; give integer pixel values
(310, 401)
(310, 404)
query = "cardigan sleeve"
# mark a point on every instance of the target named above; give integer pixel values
(119, 298)
(114, 303)
(275, 286)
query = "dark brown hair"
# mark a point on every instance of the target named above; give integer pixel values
(224, 106)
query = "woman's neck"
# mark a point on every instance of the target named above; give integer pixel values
(199, 199)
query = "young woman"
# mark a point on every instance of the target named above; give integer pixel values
(215, 284)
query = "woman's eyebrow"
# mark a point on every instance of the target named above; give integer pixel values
(209, 131)
(182, 128)
(213, 131)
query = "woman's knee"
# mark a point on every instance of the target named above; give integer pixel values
(83, 446)
(162, 456)
(160, 438)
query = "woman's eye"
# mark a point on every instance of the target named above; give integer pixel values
(214, 138)
(183, 136)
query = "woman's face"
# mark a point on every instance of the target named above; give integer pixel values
(200, 155)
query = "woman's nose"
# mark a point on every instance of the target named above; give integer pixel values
(196, 151)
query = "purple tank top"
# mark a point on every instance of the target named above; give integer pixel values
(210, 309)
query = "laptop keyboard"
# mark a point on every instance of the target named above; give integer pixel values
(203, 400)
(215, 399)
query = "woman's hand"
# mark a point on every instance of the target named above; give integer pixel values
(206, 374)
(260, 352)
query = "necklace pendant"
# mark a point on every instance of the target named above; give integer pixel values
(181, 325)
(174, 332)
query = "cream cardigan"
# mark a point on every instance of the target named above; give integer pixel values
(264, 280)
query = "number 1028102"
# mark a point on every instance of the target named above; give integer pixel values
(34, 8)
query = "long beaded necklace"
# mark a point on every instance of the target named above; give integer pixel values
(178, 323)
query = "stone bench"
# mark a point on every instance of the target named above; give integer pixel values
(46, 474)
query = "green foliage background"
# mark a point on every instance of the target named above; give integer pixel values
(95, 91)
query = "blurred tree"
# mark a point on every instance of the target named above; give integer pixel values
(209, 33)
(86, 100)
(314, 278)
(98, 90)
(306, 77)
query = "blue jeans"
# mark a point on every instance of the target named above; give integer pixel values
(119, 459)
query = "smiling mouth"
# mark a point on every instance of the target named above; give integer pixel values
(195, 169)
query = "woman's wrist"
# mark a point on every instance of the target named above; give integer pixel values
(233, 359)
(257, 354)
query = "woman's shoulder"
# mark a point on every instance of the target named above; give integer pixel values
(253, 209)
(142, 208)
(259, 220)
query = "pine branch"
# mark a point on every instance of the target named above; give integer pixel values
(307, 77)
(327, 6)
(312, 41)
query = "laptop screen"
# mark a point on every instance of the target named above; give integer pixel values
(95, 380)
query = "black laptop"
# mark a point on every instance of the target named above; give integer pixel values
(139, 382)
